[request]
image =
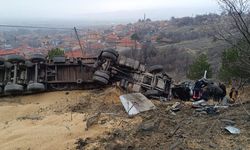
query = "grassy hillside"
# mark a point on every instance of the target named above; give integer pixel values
(186, 38)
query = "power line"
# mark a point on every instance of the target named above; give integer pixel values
(34, 27)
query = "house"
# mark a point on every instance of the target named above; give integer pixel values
(9, 52)
(74, 53)
(112, 38)
(127, 42)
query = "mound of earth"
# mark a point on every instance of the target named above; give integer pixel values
(96, 119)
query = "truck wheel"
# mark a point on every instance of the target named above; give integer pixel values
(155, 69)
(1, 90)
(36, 87)
(100, 80)
(109, 54)
(152, 93)
(29, 64)
(37, 58)
(8, 64)
(13, 88)
(102, 73)
(15, 58)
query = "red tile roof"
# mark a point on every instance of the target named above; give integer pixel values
(9, 52)
(127, 42)
(112, 38)
(74, 54)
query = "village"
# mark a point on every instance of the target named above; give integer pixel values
(92, 40)
(129, 75)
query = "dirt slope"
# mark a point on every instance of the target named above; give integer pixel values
(45, 121)
(58, 120)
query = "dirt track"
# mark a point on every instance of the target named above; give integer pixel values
(57, 120)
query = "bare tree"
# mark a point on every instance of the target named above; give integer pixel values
(234, 29)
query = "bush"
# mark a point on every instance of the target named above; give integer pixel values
(55, 52)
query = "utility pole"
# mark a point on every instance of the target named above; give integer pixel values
(79, 41)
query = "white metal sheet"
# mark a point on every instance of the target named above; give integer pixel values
(135, 103)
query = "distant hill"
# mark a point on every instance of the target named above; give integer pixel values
(180, 40)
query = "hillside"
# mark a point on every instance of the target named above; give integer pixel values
(179, 41)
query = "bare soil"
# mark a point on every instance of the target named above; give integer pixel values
(97, 120)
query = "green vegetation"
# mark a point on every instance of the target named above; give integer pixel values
(199, 66)
(236, 60)
(55, 52)
(231, 64)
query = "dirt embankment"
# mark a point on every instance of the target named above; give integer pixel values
(96, 120)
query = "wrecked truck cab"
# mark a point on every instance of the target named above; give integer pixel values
(151, 85)
(183, 91)
(156, 85)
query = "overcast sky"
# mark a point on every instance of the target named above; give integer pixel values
(103, 9)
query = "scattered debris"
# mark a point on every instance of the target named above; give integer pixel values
(176, 106)
(225, 101)
(149, 125)
(92, 120)
(221, 106)
(228, 122)
(175, 130)
(198, 104)
(232, 130)
(30, 117)
(211, 110)
(135, 103)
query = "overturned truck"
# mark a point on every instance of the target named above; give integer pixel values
(38, 73)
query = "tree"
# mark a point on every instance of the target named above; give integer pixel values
(198, 67)
(55, 52)
(135, 38)
(235, 30)
(147, 51)
(229, 69)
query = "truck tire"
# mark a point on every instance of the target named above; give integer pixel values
(13, 88)
(109, 54)
(36, 87)
(155, 69)
(100, 80)
(152, 93)
(1, 90)
(37, 58)
(15, 58)
(8, 65)
(29, 64)
(102, 73)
